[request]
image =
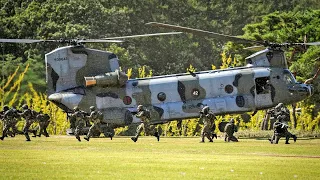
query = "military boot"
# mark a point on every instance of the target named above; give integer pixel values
(86, 138)
(134, 139)
(156, 134)
(34, 133)
(294, 138)
(202, 140)
(78, 139)
(2, 138)
(28, 140)
(214, 135)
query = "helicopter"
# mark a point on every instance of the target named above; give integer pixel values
(84, 77)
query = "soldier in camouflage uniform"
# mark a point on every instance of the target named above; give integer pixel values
(44, 121)
(29, 119)
(95, 117)
(280, 128)
(207, 118)
(79, 118)
(6, 118)
(4, 110)
(145, 119)
(229, 129)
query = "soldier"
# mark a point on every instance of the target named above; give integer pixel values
(229, 129)
(95, 117)
(79, 118)
(280, 128)
(207, 119)
(145, 118)
(6, 121)
(5, 108)
(282, 110)
(29, 118)
(44, 121)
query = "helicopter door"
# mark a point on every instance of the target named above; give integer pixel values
(263, 92)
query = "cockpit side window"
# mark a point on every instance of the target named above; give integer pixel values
(288, 77)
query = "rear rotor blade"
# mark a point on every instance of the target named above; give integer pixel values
(24, 40)
(255, 48)
(202, 32)
(144, 35)
(309, 44)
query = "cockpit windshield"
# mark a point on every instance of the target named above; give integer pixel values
(288, 77)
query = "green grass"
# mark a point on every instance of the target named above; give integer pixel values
(62, 157)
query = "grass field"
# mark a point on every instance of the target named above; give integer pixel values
(63, 157)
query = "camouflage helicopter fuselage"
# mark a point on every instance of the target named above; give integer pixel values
(78, 76)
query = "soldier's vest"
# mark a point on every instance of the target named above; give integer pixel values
(143, 115)
(79, 116)
(205, 119)
(96, 117)
(27, 114)
(229, 129)
(43, 117)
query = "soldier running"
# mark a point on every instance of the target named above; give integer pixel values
(207, 118)
(44, 121)
(7, 116)
(29, 118)
(229, 129)
(145, 119)
(78, 116)
(95, 117)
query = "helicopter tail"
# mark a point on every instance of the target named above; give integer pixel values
(66, 67)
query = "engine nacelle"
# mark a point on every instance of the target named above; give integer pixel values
(117, 116)
(112, 79)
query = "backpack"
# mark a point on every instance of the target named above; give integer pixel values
(147, 113)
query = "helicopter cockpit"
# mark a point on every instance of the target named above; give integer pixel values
(288, 77)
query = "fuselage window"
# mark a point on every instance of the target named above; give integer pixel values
(161, 96)
(263, 85)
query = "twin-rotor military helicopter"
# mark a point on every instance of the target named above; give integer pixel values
(79, 76)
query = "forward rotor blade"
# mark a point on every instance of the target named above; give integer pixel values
(144, 35)
(99, 41)
(201, 32)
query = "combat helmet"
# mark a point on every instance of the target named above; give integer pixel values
(205, 110)
(92, 108)
(25, 106)
(5, 108)
(76, 108)
(232, 120)
(279, 106)
(140, 108)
